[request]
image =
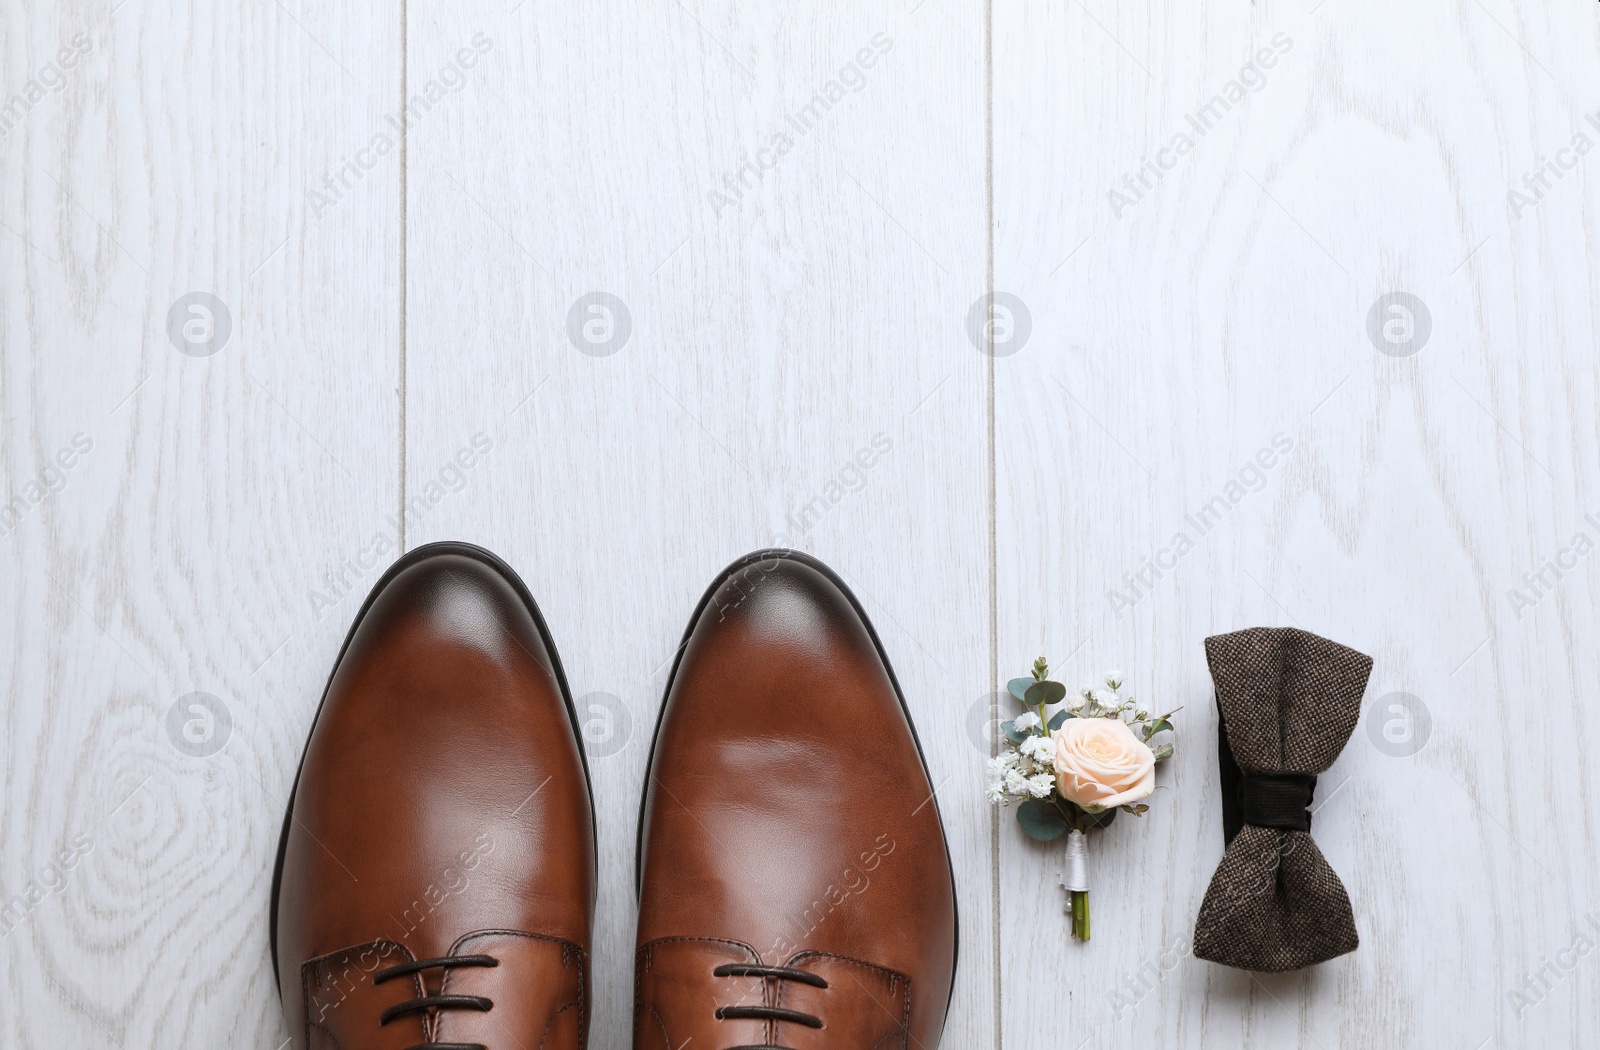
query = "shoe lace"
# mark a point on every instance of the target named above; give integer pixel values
(768, 1013)
(436, 1002)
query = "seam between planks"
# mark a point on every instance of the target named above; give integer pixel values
(993, 552)
(404, 235)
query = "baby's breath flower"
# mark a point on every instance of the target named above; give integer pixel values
(1039, 748)
(1016, 783)
(1027, 721)
(996, 770)
(1114, 679)
(1041, 785)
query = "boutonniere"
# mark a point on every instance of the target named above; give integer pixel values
(1071, 771)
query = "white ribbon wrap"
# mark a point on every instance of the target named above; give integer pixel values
(1076, 877)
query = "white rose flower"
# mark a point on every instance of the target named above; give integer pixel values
(1100, 764)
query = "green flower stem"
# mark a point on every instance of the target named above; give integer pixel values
(1080, 914)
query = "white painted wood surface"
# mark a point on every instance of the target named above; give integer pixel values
(784, 316)
(1174, 337)
(182, 552)
(775, 334)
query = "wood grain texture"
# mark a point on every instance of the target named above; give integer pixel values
(811, 311)
(797, 233)
(210, 497)
(1221, 301)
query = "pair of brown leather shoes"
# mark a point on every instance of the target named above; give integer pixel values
(435, 882)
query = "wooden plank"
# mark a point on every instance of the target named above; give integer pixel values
(170, 509)
(791, 210)
(1200, 277)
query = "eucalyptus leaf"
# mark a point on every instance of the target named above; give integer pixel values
(1045, 693)
(1041, 820)
(1018, 688)
(1156, 726)
(1059, 720)
(1163, 752)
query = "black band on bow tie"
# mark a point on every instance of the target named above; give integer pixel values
(1277, 800)
(1267, 800)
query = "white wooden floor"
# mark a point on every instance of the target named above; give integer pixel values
(629, 297)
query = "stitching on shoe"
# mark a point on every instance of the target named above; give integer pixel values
(700, 940)
(325, 1031)
(896, 980)
(545, 1038)
(575, 953)
(905, 1014)
(569, 951)
(666, 1040)
(644, 957)
(461, 942)
(307, 967)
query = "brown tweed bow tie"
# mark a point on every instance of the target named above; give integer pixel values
(1287, 702)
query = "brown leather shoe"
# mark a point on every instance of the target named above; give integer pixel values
(795, 887)
(436, 877)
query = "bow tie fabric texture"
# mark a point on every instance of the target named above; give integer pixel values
(1288, 701)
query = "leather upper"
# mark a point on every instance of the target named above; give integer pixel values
(442, 809)
(789, 821)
